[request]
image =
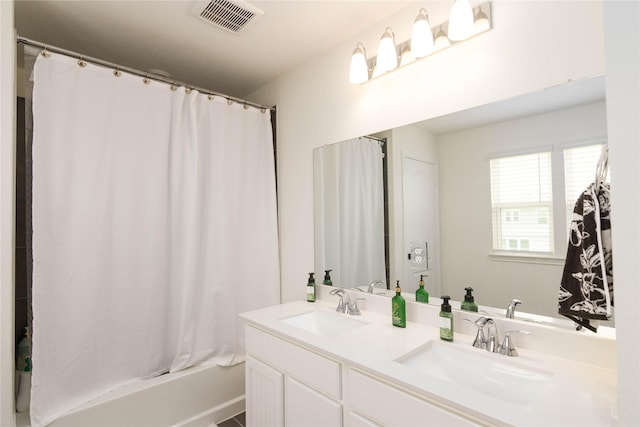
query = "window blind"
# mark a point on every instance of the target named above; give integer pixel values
(521, 199)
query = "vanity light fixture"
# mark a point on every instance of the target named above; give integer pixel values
(387, 53)
(461, 20)
(421, 36)
(461, 26)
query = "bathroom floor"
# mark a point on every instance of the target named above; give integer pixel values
(237, 421)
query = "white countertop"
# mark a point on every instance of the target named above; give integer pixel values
(577, 393)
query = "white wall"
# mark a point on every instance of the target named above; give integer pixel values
(7, 189)
(465, 206)
(622, 25)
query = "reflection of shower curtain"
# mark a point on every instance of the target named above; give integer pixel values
(353, 211)
(361, 212)
(154, 224)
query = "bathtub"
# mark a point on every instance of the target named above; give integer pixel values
(199, 396)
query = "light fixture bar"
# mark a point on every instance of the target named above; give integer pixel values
(440, 40)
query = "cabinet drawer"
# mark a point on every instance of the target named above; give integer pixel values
(367, 394)
(310, 368)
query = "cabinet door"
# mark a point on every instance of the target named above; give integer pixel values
(264, 394)
(307, 407)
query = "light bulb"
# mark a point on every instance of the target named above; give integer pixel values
(421, 36)
(377, 72)
(387, 54)
(441, 41)
(359, 70)
(481, 22)
(461, 20)
(406, 57)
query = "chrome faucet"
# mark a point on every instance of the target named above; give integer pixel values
(511, 309)
(480, 341)
(491, 342)
(348, 304)
(493, 339)
(373, 285)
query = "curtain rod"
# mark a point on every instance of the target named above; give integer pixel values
(136, 72)
(375, 138)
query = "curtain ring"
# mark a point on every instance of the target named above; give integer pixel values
(246, 107)
(46, 53)
(146, 79)
(173, 86)
(263, 110)
(187, 90)
(210, 97)
(229, 102)
(81, 62)
(117, 72)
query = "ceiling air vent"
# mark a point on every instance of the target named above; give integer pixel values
(230, 15)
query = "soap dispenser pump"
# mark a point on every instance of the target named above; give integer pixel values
(327, 278)
(311, 288)
(421, 293)
(398, 309)
(469, 304)
(446, 319)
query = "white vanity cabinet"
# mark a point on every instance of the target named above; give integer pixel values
(287, 385)
(310, 366)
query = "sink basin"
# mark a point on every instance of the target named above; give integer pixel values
(324, 323)
(488, 373)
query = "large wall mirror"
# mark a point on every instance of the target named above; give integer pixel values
(417, 200)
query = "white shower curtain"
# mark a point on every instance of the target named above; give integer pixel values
(154, 225)
(350, 211)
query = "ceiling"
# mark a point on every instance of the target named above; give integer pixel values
(570, 94)
(165, 35)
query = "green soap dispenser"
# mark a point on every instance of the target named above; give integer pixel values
(421, 293)
(327, 278)
(311, 288)
(398, 310)
(468, 304)
(446, 320)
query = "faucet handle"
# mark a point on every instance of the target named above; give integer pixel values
(352, 307)
(492, 338)
(507, 347)
(342, 307)
(352, 304)
(480, 341)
